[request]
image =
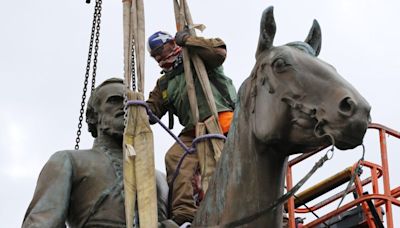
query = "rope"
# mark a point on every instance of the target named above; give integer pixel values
(357, 171)
(309, 209)
(188, 150)
(328, 155)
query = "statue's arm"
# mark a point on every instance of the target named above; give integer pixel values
(49, 206)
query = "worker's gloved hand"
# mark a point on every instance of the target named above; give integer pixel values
(181, 37)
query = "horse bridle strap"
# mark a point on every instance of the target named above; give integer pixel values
(328, 155)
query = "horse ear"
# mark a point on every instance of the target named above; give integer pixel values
(314, 38)
(267, 30)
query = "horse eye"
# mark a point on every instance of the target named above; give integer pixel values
(279, 65)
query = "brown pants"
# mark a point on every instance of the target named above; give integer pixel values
(183, 205)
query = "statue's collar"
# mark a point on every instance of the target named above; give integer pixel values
(107, 145)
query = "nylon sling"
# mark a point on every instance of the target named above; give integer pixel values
(208, 152)
(138, 146)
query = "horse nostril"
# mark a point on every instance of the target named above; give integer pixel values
(346, 106)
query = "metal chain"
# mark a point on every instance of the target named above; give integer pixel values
(133, 65)
(95, 31)
(96, 46)
(126, 107)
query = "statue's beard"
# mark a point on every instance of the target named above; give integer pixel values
(112, 126)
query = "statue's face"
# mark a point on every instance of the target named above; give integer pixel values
(110, 109)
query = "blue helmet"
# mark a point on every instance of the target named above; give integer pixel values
(158, 39)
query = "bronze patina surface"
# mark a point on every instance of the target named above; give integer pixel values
(84, 188)
(291, 103)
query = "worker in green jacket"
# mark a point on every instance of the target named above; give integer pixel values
(170, 95)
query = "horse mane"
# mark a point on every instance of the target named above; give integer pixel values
(288, 86)
(248, 91)
(303, 46)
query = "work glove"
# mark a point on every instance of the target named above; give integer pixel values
(181, 37)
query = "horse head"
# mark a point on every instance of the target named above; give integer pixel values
(297, 99)
(292, 102)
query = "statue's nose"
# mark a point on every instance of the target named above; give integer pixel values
(347, 106)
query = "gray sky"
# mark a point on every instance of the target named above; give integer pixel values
(43, 51)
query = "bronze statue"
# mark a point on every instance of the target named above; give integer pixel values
(292, 102)
(84, 188)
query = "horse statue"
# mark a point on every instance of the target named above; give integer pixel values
(292, 102)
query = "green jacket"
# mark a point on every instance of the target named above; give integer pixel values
(170, 94)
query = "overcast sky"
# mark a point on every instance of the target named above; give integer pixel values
(43, 51)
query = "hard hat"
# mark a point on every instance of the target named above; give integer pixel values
(158, 39)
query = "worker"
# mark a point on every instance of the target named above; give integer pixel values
(170, 95)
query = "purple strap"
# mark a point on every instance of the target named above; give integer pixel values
(153, 116)
(188, 150)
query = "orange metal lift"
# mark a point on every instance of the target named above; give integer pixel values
(389, 196)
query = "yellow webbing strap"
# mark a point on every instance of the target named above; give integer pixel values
(139, 170)
(208, 155)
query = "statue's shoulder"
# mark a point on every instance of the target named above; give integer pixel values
(71, 152)
(62, 154)
(69, 155)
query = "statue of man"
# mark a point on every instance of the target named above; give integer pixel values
(84, 188)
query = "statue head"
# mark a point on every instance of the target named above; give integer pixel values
(105, 110)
